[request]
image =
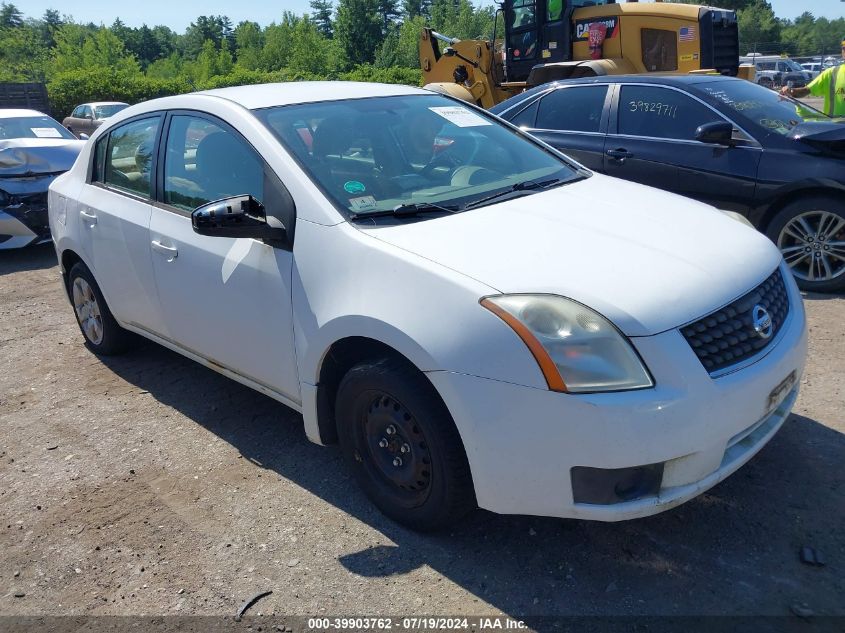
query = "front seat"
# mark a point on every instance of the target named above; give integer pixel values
(224, 168)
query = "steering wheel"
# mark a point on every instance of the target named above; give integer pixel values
(451, 156)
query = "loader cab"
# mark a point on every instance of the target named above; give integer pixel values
(539, 32)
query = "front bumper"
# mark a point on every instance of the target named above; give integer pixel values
(522, 443)
(24, 220)
(23, 226)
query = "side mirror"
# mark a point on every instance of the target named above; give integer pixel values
(83, 136)
(237, 216)
(720, 132)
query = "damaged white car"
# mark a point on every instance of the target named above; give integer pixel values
(34, 149)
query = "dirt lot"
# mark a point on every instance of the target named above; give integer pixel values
(147, 484)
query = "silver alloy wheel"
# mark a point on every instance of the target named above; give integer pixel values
(813, 245)
(87, 310)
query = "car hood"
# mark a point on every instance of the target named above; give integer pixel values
(35, 156)
(647, 260)
(825, 136)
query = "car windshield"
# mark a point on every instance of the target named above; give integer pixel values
(759, 105)
(32, 127)
(376, 154)
(792, 64)
(105, 111)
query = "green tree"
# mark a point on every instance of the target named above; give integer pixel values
(50, 21)
(278, 42)
(388, 11)
(10, 16)
(759, 29)
(171, 67)
(207, 27)
(322, 16)
(401, 46)
(24, 56)
(358, 29)
(249, 40)
(78, 48)
(414, 8)
(309, 51)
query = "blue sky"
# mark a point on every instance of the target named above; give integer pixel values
(177, 15)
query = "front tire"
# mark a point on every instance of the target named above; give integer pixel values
(810, 233)
(402, 446)
(102, 334)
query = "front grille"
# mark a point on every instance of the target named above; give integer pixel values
(727, 337)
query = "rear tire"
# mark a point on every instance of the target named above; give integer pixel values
(103, 335)
(810, 232)
(402, 446)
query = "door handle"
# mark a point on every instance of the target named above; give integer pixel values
(171, 252)
(619, 154)
(90, 217)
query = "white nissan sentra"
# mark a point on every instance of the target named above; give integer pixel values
(476, 319)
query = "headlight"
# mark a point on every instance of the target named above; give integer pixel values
(578, 350)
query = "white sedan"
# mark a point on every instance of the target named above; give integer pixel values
(476, 319)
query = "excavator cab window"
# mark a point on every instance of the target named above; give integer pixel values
(522, 38)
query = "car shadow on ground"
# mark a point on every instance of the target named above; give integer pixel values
(28, 258)
(734, 550)
(821, 296)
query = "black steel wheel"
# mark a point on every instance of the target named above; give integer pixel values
(402, 445)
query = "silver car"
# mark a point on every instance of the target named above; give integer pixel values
(34, 149)
(87, 117)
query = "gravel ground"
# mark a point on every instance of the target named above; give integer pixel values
(149, 485)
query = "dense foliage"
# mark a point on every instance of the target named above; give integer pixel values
(356, 40)
(371, 40)
(763, 32)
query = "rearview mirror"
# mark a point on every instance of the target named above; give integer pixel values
(237, 216)
(720, 132)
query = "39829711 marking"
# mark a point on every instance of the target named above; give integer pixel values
(660, 109)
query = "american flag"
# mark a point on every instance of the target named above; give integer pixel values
(687, 33)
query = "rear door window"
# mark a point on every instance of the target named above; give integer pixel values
(128, 161)
(576, 109)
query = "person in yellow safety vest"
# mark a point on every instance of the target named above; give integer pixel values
(830, 84)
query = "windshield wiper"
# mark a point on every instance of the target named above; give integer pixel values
(410, 210)
(528, 185)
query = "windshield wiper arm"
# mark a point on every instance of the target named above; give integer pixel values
(528, 185)
(410, 210)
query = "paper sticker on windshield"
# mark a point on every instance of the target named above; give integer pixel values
(46, 132)
(363, 203)
(460, 116)
(353, 186)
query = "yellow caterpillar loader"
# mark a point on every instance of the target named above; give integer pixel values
(545, 40)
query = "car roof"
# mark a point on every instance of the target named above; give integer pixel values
(664, 79)
(268, 95)
(14, 113)
(102, 103)
(680, 81)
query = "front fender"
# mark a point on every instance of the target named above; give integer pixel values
(771, 197)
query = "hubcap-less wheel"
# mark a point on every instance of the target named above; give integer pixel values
(813, 245)
(398, 451)
(87, 311)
